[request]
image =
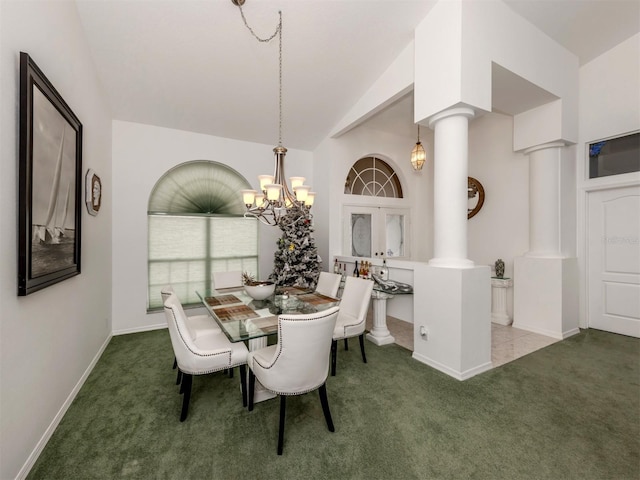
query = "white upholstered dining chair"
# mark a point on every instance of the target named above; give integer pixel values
(202, 353)
(202, 324)
(352, 317)
(328, 284)
(298, 363)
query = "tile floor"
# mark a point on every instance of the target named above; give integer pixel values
(507, 343)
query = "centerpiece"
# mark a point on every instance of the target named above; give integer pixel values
(256, 289)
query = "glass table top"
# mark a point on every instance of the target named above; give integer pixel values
(242, 318)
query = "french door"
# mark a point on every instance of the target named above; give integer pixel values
(372, 232)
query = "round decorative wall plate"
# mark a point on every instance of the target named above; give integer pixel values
(92, 192)
(475, 200)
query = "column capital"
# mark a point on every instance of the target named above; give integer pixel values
(451, 112)
(544, 146)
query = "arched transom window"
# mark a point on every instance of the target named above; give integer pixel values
(373, 177)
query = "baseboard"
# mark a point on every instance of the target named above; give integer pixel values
(451, 372)
(31, 460)
(146, 328)
(543, 331)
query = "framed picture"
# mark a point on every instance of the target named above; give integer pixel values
(92, 192)
(49, 183)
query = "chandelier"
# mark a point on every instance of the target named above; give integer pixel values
(418, 155)
(274, 198)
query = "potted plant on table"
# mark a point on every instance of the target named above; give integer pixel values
(256, 289)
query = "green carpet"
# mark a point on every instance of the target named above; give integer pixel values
(568, 411)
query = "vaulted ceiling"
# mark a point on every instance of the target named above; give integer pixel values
(193, 65)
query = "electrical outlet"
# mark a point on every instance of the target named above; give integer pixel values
(424, 333)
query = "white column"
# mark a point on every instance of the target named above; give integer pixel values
(544, 200)
(451, 137)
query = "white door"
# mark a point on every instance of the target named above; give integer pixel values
(613, 254)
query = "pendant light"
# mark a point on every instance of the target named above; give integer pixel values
(418, 155)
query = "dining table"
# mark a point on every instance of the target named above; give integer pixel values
(244, 319)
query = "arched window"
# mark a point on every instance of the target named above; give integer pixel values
(376, 228)
(196, 227)
(373, 177)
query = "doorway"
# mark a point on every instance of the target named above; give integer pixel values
(613, 260)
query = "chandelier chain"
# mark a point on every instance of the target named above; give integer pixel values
(278, 32)
(268, 39)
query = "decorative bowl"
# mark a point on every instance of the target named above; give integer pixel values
(261, 290)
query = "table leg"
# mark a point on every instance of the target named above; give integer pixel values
(380, 334)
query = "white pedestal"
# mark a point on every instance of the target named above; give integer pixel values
(499, 288)
(260, 394)
(380, 334)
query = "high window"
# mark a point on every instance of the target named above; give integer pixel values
(196, 227)
(378, 226)
(614, 156)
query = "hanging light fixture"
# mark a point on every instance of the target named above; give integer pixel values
(418, 155)
(274, 198)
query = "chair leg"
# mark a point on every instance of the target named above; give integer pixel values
(283, 404)
(252, 387)
(325, 407)
(243, 384)
(334, 354)
(364, 357)
(179, 379)
(231, 373)
(175, 363)
(186, 385)
(346, 344)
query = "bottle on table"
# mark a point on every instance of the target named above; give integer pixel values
(356, 271)
(384, 271)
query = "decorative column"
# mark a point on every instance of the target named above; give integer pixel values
(545, 290)
(451, 152)
(452, 326)
(544, 200)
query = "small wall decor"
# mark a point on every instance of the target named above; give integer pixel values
(475, 192)
(92, 192)
(49, 183)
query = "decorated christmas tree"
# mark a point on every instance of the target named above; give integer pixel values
(296, 259)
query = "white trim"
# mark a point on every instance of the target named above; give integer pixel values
(145, 328)
(46, 436)
(451, 372)
(546, 332)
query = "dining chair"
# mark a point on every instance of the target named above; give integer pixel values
(227, 279)
(202, 324)
(328, 284)
(298, 363)
(352, 317)
(201, 354)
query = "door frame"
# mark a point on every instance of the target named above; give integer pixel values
(614, 182)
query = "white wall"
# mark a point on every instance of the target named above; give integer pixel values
(49, 339)
(609, 106)
(141, 155)
(501, 228)
(362, 141)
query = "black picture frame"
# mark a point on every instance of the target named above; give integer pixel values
(49, 183)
